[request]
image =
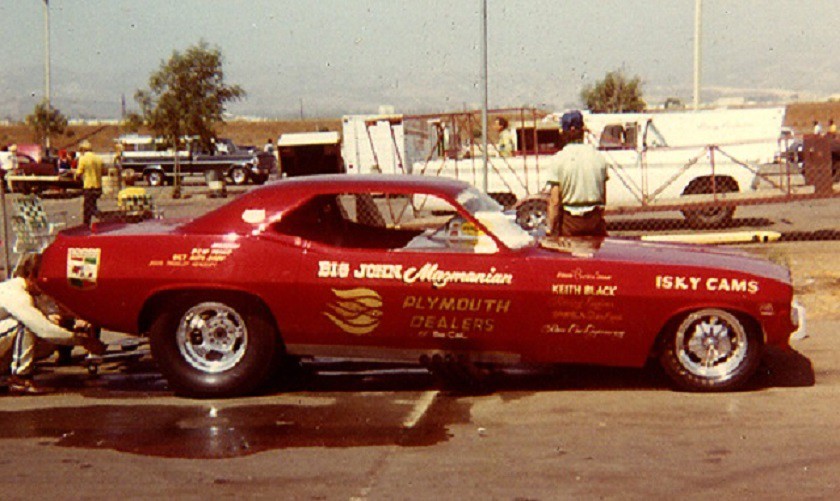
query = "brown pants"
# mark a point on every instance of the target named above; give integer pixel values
(591, 224)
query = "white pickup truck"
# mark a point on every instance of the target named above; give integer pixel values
(679, 160)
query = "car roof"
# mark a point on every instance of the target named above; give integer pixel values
(283, 195)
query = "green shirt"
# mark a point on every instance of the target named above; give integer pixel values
(581, 172)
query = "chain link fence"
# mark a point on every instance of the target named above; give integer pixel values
(713, 193)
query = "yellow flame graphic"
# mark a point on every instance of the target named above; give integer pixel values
(355, 311)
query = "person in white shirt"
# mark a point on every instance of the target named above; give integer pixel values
(27, 334)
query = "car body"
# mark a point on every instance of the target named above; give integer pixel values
(33, 176)
(410, 268)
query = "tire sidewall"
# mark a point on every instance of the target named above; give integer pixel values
(244, 378)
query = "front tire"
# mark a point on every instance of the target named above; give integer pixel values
(214, 345)
(710, 350)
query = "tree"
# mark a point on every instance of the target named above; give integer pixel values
(187, 97)
(45, 118)
(614, 94)
(133, 122)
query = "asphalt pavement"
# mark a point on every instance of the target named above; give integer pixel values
(365, 432)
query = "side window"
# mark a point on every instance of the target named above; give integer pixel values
(384, 221)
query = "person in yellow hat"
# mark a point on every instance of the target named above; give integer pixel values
(90, 170)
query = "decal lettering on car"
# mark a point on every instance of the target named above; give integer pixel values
(83, 267)
(355, 311)
(589, 317)
(586, 330)
(583, 290)
(580, 274)
(585, 309)
(198, 257)
(444, 317)
(711, 284)
(429, 272)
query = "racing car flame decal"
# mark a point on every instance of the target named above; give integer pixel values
(355, 311)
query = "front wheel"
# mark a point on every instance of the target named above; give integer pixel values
(214, 345)
(710, 350)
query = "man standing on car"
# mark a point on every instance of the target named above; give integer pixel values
(90, 170)
(578, 185)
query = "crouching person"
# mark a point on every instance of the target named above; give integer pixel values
(27, 334)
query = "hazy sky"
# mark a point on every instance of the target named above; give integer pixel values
(349, 56)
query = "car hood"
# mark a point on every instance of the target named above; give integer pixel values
(655, 253)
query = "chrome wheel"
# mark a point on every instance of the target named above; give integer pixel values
(212, 337)
(711, 343)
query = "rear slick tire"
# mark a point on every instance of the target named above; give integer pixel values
(214, 345)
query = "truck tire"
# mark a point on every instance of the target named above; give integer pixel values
(711, 216)
(239, 176)
(155, 178)
(532, 214)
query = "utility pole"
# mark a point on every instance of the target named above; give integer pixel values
(698, 28)
(484, 99)
(47, 71)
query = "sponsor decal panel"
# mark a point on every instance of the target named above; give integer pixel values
(83, 267)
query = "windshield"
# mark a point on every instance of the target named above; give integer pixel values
(489, 213)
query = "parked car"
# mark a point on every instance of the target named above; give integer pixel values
(32, 176)
(411, 268)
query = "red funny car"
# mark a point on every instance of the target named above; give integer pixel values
(411, 268)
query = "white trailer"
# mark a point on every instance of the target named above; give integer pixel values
(373, 144)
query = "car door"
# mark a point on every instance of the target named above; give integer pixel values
(382, 297)
(589, 308)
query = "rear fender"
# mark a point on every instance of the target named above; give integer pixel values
(164, 299)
